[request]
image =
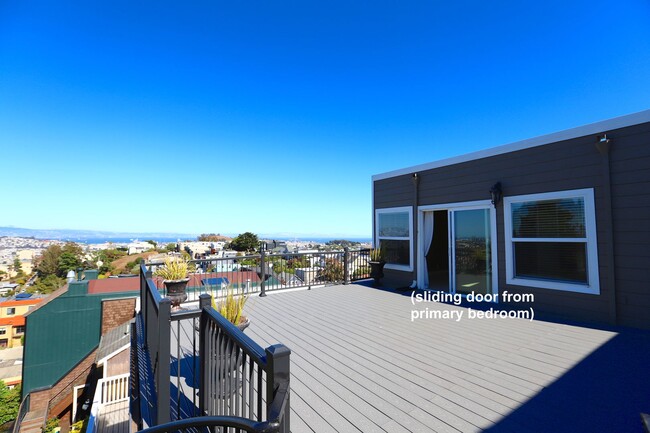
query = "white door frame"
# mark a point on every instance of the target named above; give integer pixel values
(468, 205)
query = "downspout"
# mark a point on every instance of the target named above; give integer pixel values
(603, 145)
(416, 191)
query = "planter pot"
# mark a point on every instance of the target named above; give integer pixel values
(377, 271)
(176, 291)
(244, 322)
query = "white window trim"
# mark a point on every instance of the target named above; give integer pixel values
(408, 209)
(593, 286)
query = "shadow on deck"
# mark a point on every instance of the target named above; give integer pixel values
(605, 392)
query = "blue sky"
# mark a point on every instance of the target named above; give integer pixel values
(272, 116)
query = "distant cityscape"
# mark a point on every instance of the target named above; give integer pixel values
(97, 237)
(26, 245)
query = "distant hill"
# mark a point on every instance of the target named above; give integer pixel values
(80, 235)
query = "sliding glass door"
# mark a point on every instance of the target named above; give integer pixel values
(457, 248)
(471, 251)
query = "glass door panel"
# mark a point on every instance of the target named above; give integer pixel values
(472, 255)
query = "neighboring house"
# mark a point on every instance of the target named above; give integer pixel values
(138, 247)
(570, 224)
(62, 345)
(11, 365)
(5, 288)
(12, 320)
(276, 247)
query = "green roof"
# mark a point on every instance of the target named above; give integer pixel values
(62, 332)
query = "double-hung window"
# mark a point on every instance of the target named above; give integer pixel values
(551, 241)
(394, 235)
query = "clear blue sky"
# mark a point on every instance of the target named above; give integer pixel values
(272, 116)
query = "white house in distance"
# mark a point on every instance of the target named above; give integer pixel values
(137, 247)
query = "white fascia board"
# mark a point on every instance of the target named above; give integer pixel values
(567, 134)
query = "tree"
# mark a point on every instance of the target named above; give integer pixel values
(48, 262)
(47, 285)
(343, 243)
(332, 271)
(245, 242)
(18, 268)
(67, 262)
(211, 237)
(9, 403)
(73, 248)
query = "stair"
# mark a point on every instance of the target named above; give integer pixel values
(33, 421)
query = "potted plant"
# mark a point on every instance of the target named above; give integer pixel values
(231, 307)
(174, 275)
(377, 263)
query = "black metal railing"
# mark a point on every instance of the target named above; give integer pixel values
(238, 377)
(263, 272)
(198, 364)
(210, 424)
(154, 334)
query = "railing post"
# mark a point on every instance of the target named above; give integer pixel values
(164, 360)
(346, 268)
(203, 362)
(262, 272)
(205, 300)
(143, 294)
(277, 357)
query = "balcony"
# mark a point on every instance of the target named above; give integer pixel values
(359, 363)
(110, 406)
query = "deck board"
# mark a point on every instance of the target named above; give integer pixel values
(114, 418)
(359, 364)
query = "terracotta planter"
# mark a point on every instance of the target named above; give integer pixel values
(176, 291)
(377, 271)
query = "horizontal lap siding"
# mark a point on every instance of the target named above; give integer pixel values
(395, 192)
(566, 165)
(630, 173)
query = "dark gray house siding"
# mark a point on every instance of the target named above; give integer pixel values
(570, 164)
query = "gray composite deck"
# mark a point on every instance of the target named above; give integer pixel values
(359, 364)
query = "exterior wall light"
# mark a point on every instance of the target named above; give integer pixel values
(496, 193)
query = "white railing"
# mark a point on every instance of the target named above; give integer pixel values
(111, 389)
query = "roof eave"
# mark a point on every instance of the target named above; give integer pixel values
(567, 134)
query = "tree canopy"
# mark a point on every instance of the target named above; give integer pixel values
(245, 242)
(211, 237)
(9, 403)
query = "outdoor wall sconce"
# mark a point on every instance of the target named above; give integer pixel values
(496, 193)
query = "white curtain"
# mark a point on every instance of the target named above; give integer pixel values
(428, 238)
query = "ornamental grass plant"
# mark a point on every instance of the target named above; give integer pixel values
(376, 255)
(174, 269)
(231, 306)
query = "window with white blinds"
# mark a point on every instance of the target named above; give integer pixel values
(551, 241)
(394, 235)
